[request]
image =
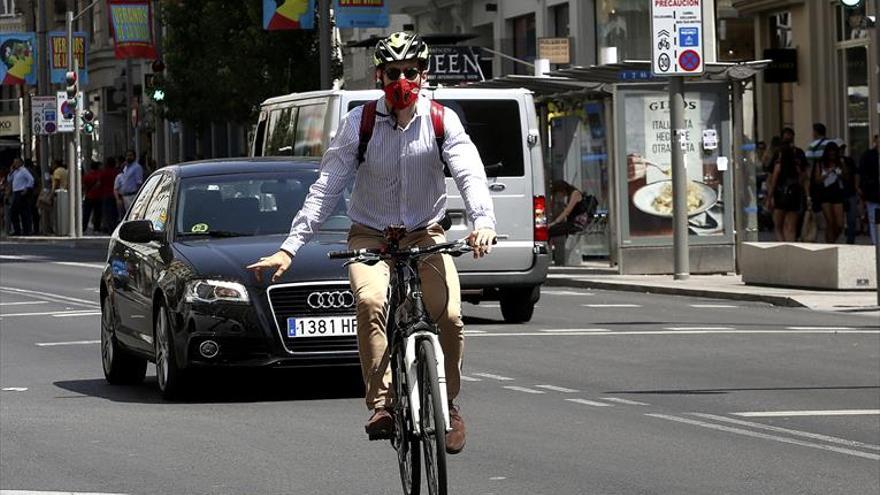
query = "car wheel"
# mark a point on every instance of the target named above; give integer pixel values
(517, 305)
(170, 376)
(120, 366)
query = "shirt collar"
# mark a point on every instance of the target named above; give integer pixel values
(422, 108)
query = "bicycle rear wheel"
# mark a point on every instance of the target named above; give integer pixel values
(432, 424)
(403, 440)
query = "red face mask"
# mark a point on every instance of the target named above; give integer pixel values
(402, 93)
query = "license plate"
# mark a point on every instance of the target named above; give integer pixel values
(325, 326)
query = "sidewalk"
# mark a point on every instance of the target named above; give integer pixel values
(714, 286)
(97, 241)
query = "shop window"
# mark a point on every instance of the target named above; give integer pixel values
(624, 26)
(559, 14)
(853, 24)
(856, 106)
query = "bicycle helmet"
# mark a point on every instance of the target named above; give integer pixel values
(401, 45)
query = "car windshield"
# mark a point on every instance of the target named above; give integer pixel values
(248, 204)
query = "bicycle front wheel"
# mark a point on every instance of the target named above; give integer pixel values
(432, 424)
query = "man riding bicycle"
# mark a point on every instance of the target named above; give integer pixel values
(398, 181)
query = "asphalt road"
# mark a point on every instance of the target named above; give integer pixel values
(602, 393)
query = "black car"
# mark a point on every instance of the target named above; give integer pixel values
(175, 290)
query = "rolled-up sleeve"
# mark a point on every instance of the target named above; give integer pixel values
(467, 170)
(337, 171)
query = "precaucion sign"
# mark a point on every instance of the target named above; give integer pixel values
(677, 27)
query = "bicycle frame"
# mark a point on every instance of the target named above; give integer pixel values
(407, 313)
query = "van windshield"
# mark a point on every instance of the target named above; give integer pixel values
(493, 125)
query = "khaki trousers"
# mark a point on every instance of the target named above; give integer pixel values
(442, 297)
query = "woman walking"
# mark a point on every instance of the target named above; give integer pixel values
(785, 196)
(829, 178)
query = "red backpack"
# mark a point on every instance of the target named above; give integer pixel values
(368, 120)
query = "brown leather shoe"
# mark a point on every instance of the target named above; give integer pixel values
(455, 438)
(380, 425)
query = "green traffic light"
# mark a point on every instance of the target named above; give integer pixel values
(158, 95)
(88, 128)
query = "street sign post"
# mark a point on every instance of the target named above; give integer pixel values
(677, 40)
(677, 51)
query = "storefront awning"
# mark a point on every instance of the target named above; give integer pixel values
(640, 71)
(542, 86)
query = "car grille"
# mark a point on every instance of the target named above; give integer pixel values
(293, 301)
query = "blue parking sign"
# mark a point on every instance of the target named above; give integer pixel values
(688, 36)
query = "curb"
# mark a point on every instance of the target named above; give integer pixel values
(90, 242)
(675, 291)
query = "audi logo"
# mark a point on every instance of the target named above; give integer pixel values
(336, 299)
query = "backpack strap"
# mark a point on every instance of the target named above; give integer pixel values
(368, 120)
(437, 111)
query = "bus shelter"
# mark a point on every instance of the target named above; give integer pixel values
(606, 131)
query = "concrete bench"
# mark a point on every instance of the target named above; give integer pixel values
(808, 265)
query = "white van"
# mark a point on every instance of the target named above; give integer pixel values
(504, 126)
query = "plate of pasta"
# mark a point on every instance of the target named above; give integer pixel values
(656, 198)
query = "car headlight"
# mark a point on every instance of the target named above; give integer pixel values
(208, 291)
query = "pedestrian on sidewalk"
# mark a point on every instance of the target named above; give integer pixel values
(828, 180)
(5, 200)
(132, 178)
(868, 185)
(110, 210)
(22, 190)
(785, 193)
(92, 197)
(851, 199)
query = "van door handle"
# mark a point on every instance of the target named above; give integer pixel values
(497, 187)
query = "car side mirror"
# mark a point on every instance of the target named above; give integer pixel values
(139, 231)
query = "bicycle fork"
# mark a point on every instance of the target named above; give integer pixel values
(412, 376)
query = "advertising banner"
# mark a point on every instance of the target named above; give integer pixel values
(648, 164)
(361, 13)
(18, 51)
(132, 28)
(10, 125)
(58, 56)
(288, 14)
(452, 64)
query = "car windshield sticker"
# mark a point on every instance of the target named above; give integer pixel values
(199, 227)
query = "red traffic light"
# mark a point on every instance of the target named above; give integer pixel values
(88, 115)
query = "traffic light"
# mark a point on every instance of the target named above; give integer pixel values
(72, 90)
(153, 83)
(88, 121)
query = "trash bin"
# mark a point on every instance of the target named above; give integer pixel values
(62, 212)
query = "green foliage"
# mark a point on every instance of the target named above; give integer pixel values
(221, 63)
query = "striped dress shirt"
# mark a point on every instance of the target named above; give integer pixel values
(401, 180)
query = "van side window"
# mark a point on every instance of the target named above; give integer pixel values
(260, 138)
(280, 132)
(310, 130)
(495, 128)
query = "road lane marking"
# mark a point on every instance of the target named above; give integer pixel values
(70, 342)
(550, 333)
(67, 312)
(815, 436)
(469, 379)
(819, 328)
(523, 389)
(836, 412)
(65, 315)
(494, 377)
(39, 492)
(589, 402)
(14, 389)
(611, 305)
(49, 296)
(565, 293)
(677, 329)
(713, 306)
(22, 303)
(625, 401)
(473, 332)
(550, 330)
(765, 436)
(557, 389)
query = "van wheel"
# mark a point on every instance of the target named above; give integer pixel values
(518, 305)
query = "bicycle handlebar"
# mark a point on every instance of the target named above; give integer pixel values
(454, 248)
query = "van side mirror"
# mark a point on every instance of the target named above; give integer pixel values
(139, 231)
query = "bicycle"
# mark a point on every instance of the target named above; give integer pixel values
(418, 378)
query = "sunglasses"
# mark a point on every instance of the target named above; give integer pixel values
(410, 73)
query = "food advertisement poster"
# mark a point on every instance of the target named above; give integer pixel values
(648, 173)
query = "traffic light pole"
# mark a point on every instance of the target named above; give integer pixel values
(74, 201)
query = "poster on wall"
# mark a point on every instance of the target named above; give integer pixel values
(648, 165)
(279, 15)
(17, 55)
(58, 56)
